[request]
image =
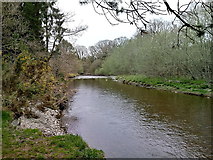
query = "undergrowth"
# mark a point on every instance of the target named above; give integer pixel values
(29, 81)
(30, 143)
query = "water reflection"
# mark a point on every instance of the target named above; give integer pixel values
(132, 122)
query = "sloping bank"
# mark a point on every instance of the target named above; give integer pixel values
(41, 136)
(181, 85)
(35, 97)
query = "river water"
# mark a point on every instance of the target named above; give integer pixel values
(133, 122)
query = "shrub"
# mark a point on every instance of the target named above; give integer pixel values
(29, 80)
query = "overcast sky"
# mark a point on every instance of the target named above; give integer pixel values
(98, 27)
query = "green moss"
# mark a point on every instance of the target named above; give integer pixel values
(30, 143)
(5, 116)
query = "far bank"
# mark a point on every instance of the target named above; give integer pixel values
(177, 85)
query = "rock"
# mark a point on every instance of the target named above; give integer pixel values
(46, 122)
(16, 122)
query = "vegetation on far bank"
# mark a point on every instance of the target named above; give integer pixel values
(156, 55)
(183, 85)
(165, 58)
(30, 143)
(163, 52)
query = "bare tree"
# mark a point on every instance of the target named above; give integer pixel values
(135, 12)
(81, 51)
(157, 26)
(119, 41)
(101, 49)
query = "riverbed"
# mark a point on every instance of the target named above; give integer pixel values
(133, 122)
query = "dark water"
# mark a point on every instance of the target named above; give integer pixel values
(127, 121)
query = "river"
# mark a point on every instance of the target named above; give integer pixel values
(134, 122)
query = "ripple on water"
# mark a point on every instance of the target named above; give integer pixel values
(133, 122)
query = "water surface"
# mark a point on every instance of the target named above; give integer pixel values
(133, 122)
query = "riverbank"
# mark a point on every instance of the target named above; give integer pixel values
(181, 85)
(32, 143)
(32, 103)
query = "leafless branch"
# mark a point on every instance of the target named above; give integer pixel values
(136, 12)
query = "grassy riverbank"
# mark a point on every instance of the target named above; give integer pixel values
(30, 143)
(187, 86)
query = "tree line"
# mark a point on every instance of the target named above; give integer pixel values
(186, 52)
(161, 53)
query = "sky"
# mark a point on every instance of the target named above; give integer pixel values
(98, 26)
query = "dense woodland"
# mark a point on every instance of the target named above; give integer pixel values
(159, 54)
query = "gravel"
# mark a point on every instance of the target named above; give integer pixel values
(45, 121)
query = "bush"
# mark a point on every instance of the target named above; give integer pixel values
(29, 80)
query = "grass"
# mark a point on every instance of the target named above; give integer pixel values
(30, 143)
(197, 87)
